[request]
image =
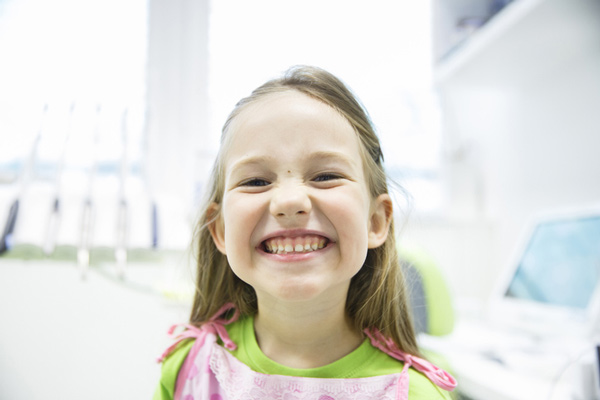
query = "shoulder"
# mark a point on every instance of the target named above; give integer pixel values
(170, 368)
(238, 330)
(420, 387)
(241, 332)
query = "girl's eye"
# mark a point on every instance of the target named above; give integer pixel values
(326, 177)
(255, 182)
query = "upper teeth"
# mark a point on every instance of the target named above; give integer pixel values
(295, 245)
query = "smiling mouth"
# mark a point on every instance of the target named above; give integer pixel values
(302, 244)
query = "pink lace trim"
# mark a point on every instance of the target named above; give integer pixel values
(238, 381)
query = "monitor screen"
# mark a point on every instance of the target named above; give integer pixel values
(560, 265)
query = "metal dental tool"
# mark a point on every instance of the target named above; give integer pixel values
(87, 216)
(122, 228)
(54, 219)
(154, 225)
(154, 217)
(6, 241)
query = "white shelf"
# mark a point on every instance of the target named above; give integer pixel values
(526, 41)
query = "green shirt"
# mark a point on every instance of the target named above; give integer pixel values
(365, 361)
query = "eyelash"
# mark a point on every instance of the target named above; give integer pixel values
(254, 182)
(258, 182)
(330, 176)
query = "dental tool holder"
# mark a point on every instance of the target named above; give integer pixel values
(84, 199)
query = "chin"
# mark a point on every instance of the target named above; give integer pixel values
(297, 292)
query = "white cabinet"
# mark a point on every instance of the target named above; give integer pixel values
(521, 100)
(525, 40)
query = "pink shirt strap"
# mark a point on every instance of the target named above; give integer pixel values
(215, 325)
(437, 375)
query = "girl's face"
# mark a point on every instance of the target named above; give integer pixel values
(296, 218)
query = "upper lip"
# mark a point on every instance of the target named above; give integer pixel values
(293, 233)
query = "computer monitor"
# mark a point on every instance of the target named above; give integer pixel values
(552, 285)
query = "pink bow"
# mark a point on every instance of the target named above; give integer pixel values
(214, 325)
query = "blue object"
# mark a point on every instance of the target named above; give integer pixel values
(7, 235)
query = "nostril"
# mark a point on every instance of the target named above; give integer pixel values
(287, 205)
(283, 214)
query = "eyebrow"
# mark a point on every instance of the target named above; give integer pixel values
(316, 156)
(248, 161)
(331, 155)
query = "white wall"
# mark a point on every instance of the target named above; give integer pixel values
(548, 155)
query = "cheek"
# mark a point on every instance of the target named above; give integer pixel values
(240, 217)
(237, 225)
(351, 219)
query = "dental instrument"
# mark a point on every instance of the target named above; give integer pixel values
(6, 241)
(54, 218)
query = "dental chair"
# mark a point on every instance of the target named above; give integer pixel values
(430, 301)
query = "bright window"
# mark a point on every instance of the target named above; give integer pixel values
(72, 99)
(64, 52)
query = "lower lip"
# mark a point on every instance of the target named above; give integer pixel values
(292, 257)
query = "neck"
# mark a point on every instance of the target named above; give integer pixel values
(300, 335)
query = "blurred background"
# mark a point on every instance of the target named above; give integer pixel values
(110, 117)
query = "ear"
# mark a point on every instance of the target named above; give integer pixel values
(381, 218)
(216, 227)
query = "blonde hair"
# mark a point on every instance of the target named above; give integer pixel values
(377, 295)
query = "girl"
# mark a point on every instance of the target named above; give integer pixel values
(299, 292)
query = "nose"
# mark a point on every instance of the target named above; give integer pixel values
(290, 200)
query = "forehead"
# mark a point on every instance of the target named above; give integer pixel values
(287, 118)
